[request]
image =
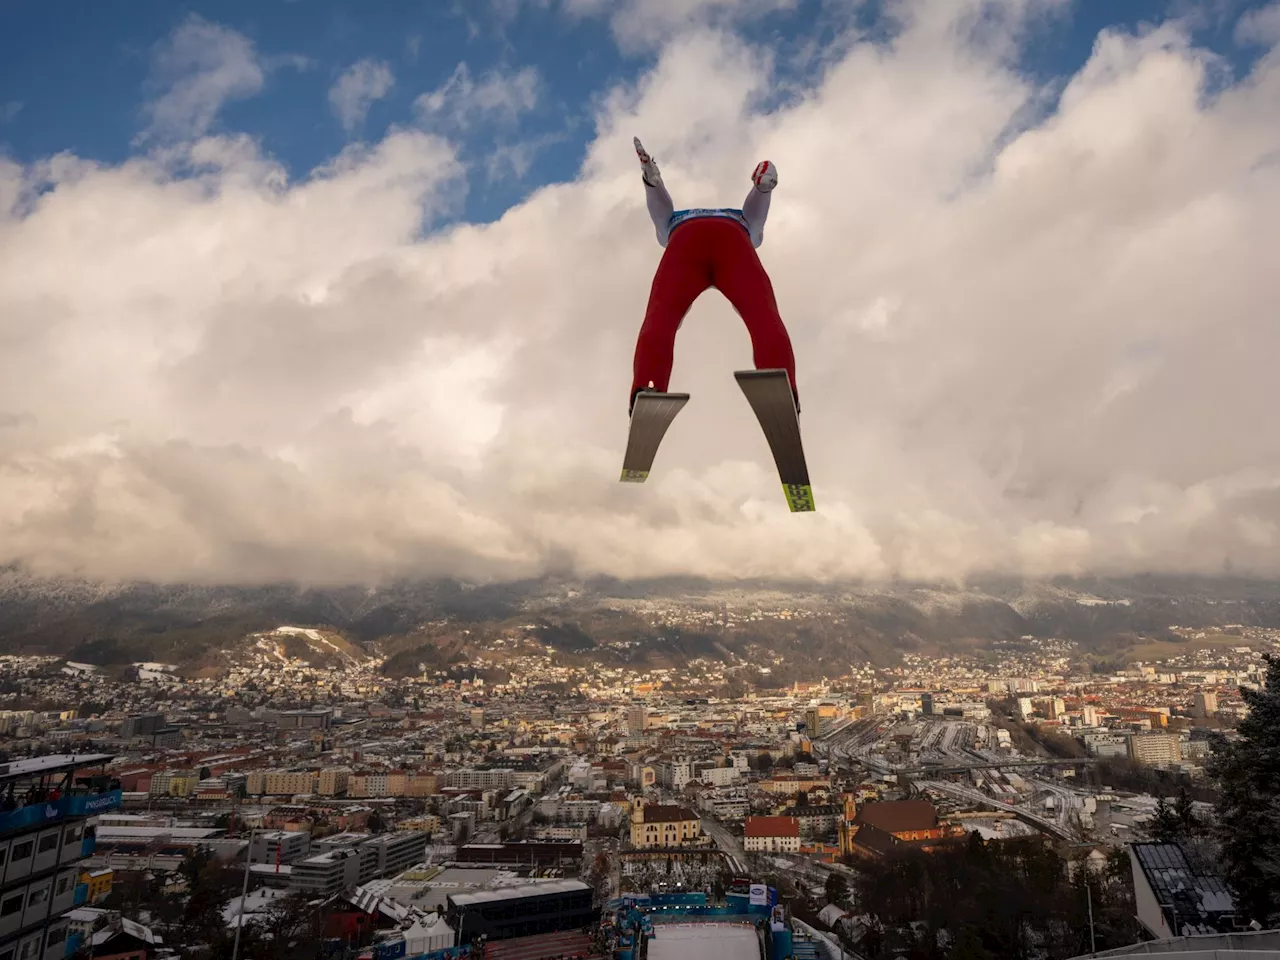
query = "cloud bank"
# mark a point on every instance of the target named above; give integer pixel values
(1028, 342)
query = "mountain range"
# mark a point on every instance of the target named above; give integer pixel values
(668, 622)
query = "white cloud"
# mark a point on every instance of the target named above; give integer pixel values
(1260, 26)
(360, 86)
(1062, 365)
(638, 24)
(499, 96)
(197, 69)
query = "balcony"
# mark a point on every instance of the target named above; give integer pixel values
(51, 811)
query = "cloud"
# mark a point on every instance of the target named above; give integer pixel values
(640, 24)
(1027, 343)
(1260, 26)
(9, 111)
(498, 97)
(360, 86)
(199, 68)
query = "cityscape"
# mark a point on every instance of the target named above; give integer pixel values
(394, 808)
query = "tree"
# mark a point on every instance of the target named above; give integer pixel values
(837, 888)
(1165, 826)
(1248, 808)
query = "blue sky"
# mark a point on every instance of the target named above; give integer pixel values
(78, 81)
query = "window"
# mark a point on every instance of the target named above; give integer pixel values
(62, 886)
(38, 897)
(48, 843)
(23, 850)
(11, 905)
(56, 936)
(29, 950)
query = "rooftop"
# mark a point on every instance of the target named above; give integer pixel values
(518, 892)
(58, 763)
(772, 827)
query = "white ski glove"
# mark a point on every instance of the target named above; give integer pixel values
(765, 176)
(648, 166)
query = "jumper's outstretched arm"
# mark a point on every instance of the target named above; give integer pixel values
(656, 197)
(755, 209)
(660, 205)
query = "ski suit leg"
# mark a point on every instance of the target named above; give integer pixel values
(683, 274)
(738, 273)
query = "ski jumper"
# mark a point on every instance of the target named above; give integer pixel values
(709, 247)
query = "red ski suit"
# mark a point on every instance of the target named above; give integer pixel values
(709, 248)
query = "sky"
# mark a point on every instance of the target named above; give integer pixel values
(338, 293)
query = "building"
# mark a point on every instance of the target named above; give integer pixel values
(349, 859)
(538, 853)
(521, 911)
(140, 725)
(878, 827)
(1107, 744)
(1156, 749)
(637, 719)
(1206, 704)
(280, 782)
(279, 846)
(663, 825)
(816, 821)
(771, 835)
(44, 840)
(332, 781)
(482, 778)
(305, 720)
(98, 883)
(1174, 897)
(926, 704)
(1089, 715)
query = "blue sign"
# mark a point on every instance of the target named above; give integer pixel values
(51, 811)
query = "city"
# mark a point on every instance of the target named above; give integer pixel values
(375, 813)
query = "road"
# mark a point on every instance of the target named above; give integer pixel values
(727, 842)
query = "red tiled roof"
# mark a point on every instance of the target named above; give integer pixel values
(772, 827)
(898, 816)
(666, 813)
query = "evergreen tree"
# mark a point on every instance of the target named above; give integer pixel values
(1248, 809)
(1165, 825)
(837, 888)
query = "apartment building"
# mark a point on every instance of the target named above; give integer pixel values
(280, 782)
(1155, 748)
(332, 781)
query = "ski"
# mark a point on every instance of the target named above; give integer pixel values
(769, 393)
(650, 418)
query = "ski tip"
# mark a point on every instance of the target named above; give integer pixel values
(799, 497)
(634, 476)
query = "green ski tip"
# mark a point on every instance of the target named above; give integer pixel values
(799, 497)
